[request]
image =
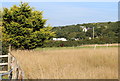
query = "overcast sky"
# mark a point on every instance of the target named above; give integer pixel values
(68, 13)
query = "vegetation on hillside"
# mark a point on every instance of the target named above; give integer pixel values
(106, 32)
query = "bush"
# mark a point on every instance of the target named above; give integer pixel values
(61, 44)
(80, 42)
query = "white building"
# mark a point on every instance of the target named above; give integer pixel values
(90, 38)
(84, 28)
(59, 39)
(76, 39)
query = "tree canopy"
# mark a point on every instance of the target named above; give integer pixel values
(105, 30)
(24, 27)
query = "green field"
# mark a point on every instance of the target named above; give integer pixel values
(92, 47)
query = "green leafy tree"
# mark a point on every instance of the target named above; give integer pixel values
(80, 35)
(24, 27)
(71, 35)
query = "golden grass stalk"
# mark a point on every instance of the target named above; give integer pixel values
(85, 63)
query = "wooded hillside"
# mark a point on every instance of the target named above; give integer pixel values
(97, 33)
(107, 30)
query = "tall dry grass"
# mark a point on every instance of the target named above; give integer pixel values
(85, 63)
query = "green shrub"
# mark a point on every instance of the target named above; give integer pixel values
(78, 43)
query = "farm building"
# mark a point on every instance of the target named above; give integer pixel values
(84, 28)
(59, 39)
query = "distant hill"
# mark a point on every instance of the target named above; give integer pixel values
(108, 30)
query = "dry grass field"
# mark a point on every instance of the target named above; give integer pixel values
(83, 63)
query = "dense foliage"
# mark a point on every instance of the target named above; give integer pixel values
(101, 30)
(107, 32)
(24, 28)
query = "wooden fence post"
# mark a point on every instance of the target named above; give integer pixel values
(9, 60)
(95, 46)
(15, 68)
(13, 65)
(107, 45)
(9, 48)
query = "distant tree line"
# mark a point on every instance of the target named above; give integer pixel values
(101, 30)
(107, 32)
